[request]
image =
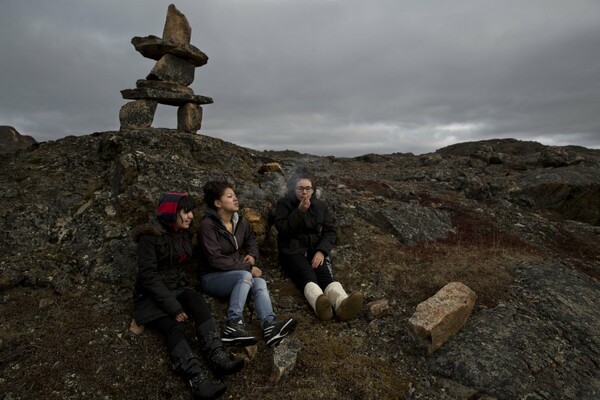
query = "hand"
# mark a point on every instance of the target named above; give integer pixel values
(304, 204)
(249, 259)
(256, 272)
(181, 317)
(317, 260)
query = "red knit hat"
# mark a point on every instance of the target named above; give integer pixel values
(166, 210)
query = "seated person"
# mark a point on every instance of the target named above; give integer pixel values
(227, 267)
(306, 235)
(163, 301)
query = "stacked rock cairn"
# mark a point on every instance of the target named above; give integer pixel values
(167, 83)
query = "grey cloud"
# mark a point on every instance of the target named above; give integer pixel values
(322, 77)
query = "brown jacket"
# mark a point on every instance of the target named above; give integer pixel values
(219, 250)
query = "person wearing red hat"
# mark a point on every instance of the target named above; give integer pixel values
(164, 301)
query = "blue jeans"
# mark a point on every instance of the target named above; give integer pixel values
(237, 284)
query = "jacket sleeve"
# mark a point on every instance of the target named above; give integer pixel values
(208, 239)
(328, 234)
(149, 279)
(288, 221)
(250, 244)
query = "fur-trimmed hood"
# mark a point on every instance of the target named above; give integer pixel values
(154, 227)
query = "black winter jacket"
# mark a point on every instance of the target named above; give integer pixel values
(302, 233)
(219, 250)
(161, 256)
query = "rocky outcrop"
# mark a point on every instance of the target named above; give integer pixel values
(11, 140)
(407, 226)
(542, 343)
(564, 180)
(572, 192)
(167, 83)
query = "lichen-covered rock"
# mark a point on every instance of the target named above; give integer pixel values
(137, 114)
(405, 225)
(543, 341)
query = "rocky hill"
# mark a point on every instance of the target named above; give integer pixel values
(11, 140)
(517, 222)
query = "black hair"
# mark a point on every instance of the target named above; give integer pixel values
(300, 173)
(213, 190)
(186, 204)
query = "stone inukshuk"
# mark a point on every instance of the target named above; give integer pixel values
(167, 83)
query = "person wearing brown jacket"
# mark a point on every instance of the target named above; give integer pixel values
(227, 267)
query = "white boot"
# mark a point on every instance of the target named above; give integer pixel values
(346, 307)
(318, 301)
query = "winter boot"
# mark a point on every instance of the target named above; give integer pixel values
(186, 364)
(212, 348)
(318, 301)
(346, 307)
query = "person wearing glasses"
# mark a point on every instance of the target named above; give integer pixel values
(227, 267)
(306, 235)
(164, 301)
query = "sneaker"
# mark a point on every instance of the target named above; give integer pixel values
(277, 330)
(235, 333)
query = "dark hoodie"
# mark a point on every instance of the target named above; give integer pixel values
(219, 250)
(161, 256)
(304, 232)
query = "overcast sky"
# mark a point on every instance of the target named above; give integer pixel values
(325, 77)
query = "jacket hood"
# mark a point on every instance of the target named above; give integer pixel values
(153, 227)
(166, 211)
(210, 213)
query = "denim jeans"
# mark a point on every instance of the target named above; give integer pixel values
(237, 284)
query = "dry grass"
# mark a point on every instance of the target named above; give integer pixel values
(80, 343)
(477, 254)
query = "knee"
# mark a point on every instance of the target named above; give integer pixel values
(175, 335)
(245, 277)
(260, 284)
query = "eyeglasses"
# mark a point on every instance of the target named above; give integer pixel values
(303, 188)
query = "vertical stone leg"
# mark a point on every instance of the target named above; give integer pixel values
(189, 117)
(137, 114)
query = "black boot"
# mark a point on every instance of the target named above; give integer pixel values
(186, 364)
(213, 350)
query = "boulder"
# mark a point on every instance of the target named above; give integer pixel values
(284, 358)
(378, 308)
(442, 315)
(257, 222)
(542, 342)
(137, 114)
(270, 167)
(556, 157)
